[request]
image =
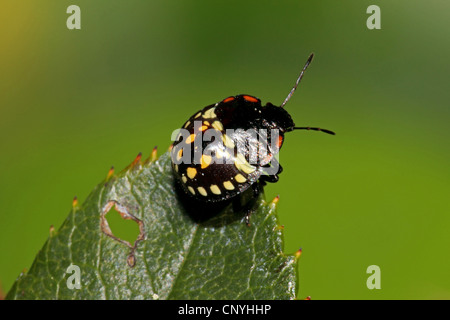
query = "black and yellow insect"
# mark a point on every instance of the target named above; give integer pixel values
(212, 168)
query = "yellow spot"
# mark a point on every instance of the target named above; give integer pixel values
(202, 191)
(205, 161)
(206, 123)
(220, 153)
(215, 189)
(217, 125)
(198, 115)
(228, 142)
(209, 114)
(240, 159)
(184, 179)
(179, 154)
(187, 124)
(191, 190)
(228, 185)
(176, 168)
(240, 178)
(203, 128)
(191, 138)
(242, 164)
(191, 172)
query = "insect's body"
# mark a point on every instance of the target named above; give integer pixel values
(237, 169)
(214, 165)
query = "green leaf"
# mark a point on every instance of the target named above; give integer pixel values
(174, 257)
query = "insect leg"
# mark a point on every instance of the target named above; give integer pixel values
(249, 207)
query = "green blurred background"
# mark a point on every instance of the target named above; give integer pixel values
(75, 102)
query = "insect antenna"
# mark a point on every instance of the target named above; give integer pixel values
(315, 129)
(298, 80)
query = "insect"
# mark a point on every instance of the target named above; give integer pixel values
(230, 146)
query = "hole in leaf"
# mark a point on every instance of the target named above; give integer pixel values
(123, 228)
(125, 235)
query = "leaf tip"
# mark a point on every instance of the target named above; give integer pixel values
(110, 173)
(275, 200)
(154, 154)
(137, 159)
(298, 253)
(52, 230)
(75, 202)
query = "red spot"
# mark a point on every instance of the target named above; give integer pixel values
(280, 141)
(228, 99)
(250, 98)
